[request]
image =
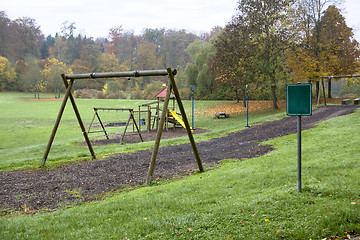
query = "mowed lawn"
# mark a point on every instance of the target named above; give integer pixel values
(26, 125)
(252, 199)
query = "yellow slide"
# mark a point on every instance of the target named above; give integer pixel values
(173, 113)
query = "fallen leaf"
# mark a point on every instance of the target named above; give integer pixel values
(353, 203)
(190, 229)
(229, 238)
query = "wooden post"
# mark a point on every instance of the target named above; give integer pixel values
(134, 123)
(57, 122)
(158, 136)
(131, 117)
(92, 120)
(140, 118)
(149, 118)
(157, 114)
(185, 120)
(323, 87)
(102, 125)
(87, 140)
(171, 85)
(127, 124)
(318, 92)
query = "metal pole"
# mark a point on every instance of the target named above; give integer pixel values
(192, 112)
(299, 153)
(247, 109)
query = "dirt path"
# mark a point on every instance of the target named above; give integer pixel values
(34, 190)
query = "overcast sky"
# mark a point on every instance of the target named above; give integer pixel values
(95, 18)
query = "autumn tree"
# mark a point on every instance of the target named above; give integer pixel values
(146, 59)
(115, 34)
(52, 75)
(304, 59)
(109, 63)
(19, 38)
(339, 50)
(7, 74)
(30, 76)
(60, 50)
(262, 33)
(29, 37)
(156, 36)
(325, 45)
(88, 60)
(5, 34)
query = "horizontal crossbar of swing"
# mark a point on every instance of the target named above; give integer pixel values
(144, 111)
(341, 76)
(143, 73)
(96, 131)
(150, 103)
(117, 109)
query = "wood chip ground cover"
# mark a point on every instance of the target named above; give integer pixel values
(33, 190)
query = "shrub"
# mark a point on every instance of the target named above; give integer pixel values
(88, 93)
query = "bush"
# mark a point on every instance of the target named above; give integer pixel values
(116, 95)
(88, 93)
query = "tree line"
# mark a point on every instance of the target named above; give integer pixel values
(270, 43)
(267, 44)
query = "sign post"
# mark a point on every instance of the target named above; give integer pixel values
(299, 103)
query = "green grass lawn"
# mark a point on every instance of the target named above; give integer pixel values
(252, 199)
(25, 128)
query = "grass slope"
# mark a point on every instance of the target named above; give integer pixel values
(253, 199)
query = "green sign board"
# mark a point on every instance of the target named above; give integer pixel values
(298, 99)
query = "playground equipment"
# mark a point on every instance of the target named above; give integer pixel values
(150, 116)
(153, 117)
(131, 117)
(69, 80)
(329, 85)
(178, 119)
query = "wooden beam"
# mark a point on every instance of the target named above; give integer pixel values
(57, 122)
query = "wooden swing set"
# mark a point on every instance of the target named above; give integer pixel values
(69, 80)
(131, 118)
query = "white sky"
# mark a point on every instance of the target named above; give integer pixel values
(95, 18)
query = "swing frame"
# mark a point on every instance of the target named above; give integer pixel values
(69, 80)
(131, 117)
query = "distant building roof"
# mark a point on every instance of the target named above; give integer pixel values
(162, 94)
